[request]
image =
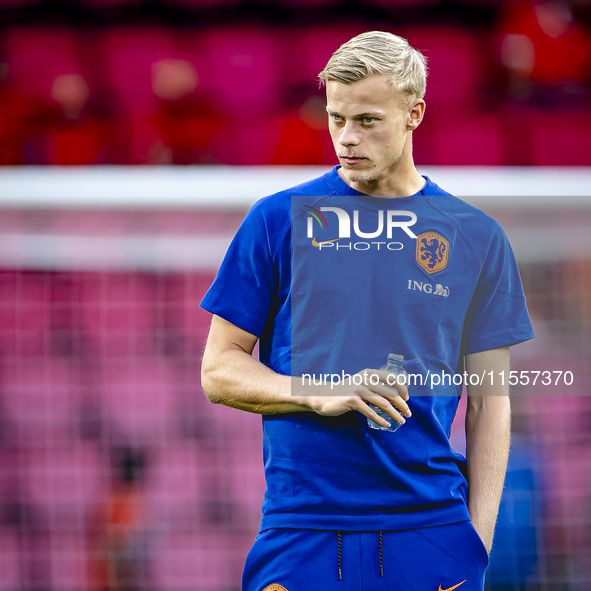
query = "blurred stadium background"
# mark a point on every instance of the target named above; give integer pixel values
(115, 471)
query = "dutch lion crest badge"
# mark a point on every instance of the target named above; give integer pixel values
(432, 252)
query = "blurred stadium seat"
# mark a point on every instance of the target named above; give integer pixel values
(177, 484)
(64, 485)
(469, 140)
(131, 51)
(68, 557)
(191, 561)
(242, 72)
(245, 62)
(116, 314)
(24, 314)
(139, 400)
(39, 399)
(455, 59)
(308, 49)
(10, 561)
(561, 141)
(184, 314)
(35, 56)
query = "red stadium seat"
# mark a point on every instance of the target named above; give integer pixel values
(140, 399)
(191, 562)
(136, 59)
(38, 398)
(65, 485)
(239, 431)
(246, 63)
(9, 480)
(116, 314)
(301, 136)
(254, 145)
(192, 45)
(24, 314)
(36, 56)
(35, 559)
(184, 313)
(248, 486)
(465, 141)
(176, 483)
(455, 59)
(240, 439)
(69, 561)
(572, 414)
(131, 53)
(560, 140)
(10, 561)
(306, 51)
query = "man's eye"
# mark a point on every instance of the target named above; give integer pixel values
(368, 119)
(336, 117)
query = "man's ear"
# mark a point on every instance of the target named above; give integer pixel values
(416, 112)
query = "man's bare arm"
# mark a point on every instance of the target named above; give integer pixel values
(488, 434)
(231, 376)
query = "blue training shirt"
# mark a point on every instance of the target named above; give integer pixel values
(370, 288)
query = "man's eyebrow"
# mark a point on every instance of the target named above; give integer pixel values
(374, 114)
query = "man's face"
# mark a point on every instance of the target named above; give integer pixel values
(369, 122)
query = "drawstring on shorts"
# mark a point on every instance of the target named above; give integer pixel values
(340, 555)
(381, 554)
(339, 540)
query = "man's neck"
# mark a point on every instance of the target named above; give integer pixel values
(403, 182)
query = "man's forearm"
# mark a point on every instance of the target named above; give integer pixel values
(230, 376)
(238, 380)
(488, 434)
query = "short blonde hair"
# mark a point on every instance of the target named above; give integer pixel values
(378, 52)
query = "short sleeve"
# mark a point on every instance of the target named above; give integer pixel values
(246, 284)
(497, 315)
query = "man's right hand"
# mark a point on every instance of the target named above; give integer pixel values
(230, 376)
(336, 399)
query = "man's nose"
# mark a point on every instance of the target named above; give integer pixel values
(349, 136)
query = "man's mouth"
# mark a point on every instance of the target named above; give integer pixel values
(352, 159)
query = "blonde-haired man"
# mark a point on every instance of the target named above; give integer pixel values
(382, 70)
(333, 275)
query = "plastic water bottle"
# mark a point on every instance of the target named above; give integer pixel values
(393, 365)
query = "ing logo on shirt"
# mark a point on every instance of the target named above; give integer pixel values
(274, 587)
(432, 253)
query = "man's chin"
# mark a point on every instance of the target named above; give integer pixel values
(358, 176)
(351, 174)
